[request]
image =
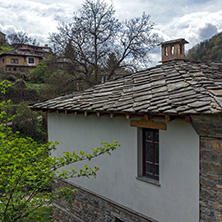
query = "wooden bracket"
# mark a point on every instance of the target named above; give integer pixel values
(167, 118)
(112, 115)
(146, 117)
(128, 116)
(99, 114)
(187, 119)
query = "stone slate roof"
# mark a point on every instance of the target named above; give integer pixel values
(176, 87)
(19, 52)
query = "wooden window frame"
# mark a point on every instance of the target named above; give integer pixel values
(32, 59)
(152, 173)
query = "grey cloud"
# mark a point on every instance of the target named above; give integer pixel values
(199, 1)
(208, 31)
(59, 18)
(35, 18)
(173, 18)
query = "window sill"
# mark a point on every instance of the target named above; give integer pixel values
(149, 180)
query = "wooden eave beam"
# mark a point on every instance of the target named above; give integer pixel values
(51, 111)
(148, 124)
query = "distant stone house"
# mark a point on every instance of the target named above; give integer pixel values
(2, 38)
(24, 57)
(168, 120)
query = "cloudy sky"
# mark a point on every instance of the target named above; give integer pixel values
(194, 20)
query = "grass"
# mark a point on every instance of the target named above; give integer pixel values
(30, 85)
(42, 214)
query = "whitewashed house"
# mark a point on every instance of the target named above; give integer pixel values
(168, 121)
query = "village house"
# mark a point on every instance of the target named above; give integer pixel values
(168, 121)
(24, 57)
(2, 38)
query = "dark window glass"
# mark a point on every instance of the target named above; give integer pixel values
(31, 60)
(14, 61)
(151, 153)
(157, 153)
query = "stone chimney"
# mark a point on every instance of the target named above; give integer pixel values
(173, 49)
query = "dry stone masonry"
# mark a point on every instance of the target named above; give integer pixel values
(85, 206)
(210, 131)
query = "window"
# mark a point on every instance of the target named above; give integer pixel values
(165, 51)
(14, 61)
(148, 149)
(150, 153)
(3, 61)
(31, 60)
(181, 49)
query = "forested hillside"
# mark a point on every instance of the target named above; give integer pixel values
(208, 50)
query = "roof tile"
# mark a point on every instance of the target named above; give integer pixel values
(176, 87)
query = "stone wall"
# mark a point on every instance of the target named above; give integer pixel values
(85, 206)
(210, 130)
(210, 179)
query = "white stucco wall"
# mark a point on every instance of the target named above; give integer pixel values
(177, 197)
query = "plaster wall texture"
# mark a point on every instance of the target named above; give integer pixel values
(177, 197)
(22, 60)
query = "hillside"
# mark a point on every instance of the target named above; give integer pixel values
(208, 50)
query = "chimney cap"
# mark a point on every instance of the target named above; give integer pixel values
(172, 42)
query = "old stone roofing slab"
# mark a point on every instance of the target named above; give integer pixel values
(176, 87)
(18, 52)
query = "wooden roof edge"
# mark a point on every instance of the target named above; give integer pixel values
(180, 40)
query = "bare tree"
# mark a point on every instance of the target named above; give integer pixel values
(95, 37)
(20, 38)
